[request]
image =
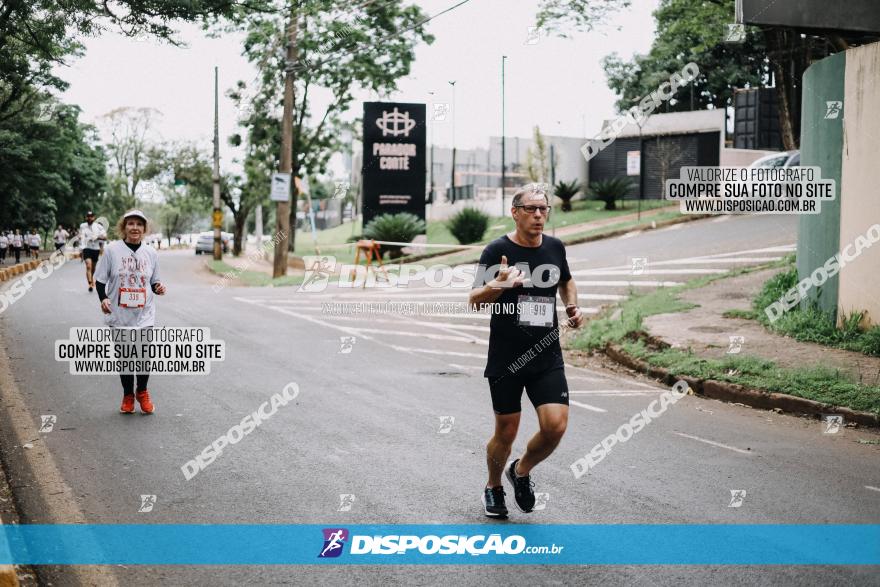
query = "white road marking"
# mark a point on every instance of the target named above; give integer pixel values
(582, 378)
(586, 406)
(616, 391)
(630, 234)
(721, 219)
(707, 261)
(650, 271)
(705, 258)
(436, 352)
(603, 297)
(872, 488)
(424, 335)
(467, 367)
(627, 284)
(400, 322)
(713, 443)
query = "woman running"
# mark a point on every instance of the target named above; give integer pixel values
(127, 280)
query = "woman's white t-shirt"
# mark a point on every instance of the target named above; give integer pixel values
(129, 277)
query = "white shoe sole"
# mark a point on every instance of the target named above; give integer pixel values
(487, 512)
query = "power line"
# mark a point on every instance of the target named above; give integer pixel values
(391, 35)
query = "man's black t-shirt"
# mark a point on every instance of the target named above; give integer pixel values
(521, 339)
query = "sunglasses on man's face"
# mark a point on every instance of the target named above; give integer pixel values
(532, 209)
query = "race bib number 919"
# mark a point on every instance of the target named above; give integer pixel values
(536, 311)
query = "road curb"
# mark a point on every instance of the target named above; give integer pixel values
(8, 576)
(732, 392)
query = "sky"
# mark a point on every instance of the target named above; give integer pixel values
(557, 84)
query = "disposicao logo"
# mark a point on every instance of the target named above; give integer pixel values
(334, 540)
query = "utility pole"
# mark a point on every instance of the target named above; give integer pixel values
(503, 139)
(282, 209)
(217, 217)
(452, 191)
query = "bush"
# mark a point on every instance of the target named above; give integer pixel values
(610, 190)
(402, 227)
(468, 225)
(565, 191)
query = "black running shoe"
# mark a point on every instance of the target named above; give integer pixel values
(523, 493)
(493, 502)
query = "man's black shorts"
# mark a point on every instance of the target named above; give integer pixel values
(90, 254)
(544, 387)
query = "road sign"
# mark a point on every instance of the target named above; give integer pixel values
(633, 162)
(280, 187)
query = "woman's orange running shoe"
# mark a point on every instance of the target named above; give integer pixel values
(143, 398)
(127, 404)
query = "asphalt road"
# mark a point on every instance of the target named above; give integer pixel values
(372, 420)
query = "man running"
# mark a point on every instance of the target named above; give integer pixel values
(16, 242)
(35, 242)
(60, 237)
(127, 279)
(524, 349)
(91, 237)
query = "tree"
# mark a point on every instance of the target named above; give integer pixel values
(666, 154)
(693, 30)
(129, 145)
(565, 191)
(51, 167)
(537, 157)
(183, 174)
(37, 35)
(371, 46)
(582, 15)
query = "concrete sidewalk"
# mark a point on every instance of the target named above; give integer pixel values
(707, 332)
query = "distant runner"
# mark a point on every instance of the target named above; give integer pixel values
(4, 246)
(60, 237)
(524, 349)
(91, 237)
(34, 242)
(127, 278)
(16, 242)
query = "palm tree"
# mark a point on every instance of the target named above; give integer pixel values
(565, 191)
(610, 190)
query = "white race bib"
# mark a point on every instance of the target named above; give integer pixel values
(132, 297)
(536, 311)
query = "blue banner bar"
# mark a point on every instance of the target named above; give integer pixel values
(629, 544)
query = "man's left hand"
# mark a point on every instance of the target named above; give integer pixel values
(575, 317)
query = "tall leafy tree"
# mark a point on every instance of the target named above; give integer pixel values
(691, 30)
(51, 166)
(36, 35)
(340, 47)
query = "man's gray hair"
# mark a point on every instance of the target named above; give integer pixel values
(530, 188)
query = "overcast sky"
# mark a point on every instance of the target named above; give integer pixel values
(556, 83)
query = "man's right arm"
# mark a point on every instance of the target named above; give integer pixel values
(507, 277)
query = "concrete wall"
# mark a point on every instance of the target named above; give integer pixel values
(821, 145)
(859, 195)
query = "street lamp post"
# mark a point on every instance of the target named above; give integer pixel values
(503, 138)
(431, 174)
(452, 191)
